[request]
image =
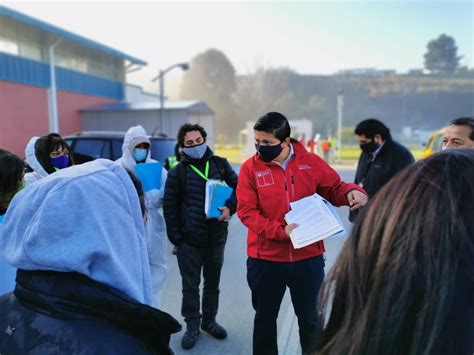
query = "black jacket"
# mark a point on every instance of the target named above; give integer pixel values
(183, 204)
(68, 313)
(391, 159)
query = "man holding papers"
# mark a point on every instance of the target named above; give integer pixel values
(196, 209)
(283, 172)
(136, 158)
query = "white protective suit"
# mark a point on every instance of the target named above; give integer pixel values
(38, 170)
(155, 228)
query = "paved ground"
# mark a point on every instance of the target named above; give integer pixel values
(236, 312)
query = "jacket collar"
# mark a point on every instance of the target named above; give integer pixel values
(386, 145)
(72, 296)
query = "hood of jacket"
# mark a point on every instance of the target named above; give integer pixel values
(74, 296)
(85, 219)
(135, 135)
(32, 160)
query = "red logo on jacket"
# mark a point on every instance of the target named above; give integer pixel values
(264, 178)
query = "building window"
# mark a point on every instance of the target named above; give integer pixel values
(8, 46)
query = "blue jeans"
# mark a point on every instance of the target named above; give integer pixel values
(268, 281)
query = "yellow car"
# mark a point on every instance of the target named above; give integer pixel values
(435, 143)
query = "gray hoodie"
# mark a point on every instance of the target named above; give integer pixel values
(84, 219)
(38, 170)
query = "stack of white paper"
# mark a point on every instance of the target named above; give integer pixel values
(317, 219)
(217, 193)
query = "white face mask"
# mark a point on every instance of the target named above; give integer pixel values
(195, 152)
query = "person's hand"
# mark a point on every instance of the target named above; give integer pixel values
(356, 199)
(225, 213)
(153, 195)
(289, 228)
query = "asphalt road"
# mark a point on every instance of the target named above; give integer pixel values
(235, 308)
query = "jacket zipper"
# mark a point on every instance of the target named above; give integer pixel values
(288, 207)
(258, 246)
(290, 245)
(292, 183)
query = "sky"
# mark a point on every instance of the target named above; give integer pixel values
(313, 37)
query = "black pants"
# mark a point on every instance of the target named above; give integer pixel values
(268, 281)
(191, 262)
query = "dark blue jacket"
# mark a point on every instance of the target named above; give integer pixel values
(68, 313)
(183, 203)
(392, 158)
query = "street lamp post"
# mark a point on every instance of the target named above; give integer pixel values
(52, 96)
(161, 78)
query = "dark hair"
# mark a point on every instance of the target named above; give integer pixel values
(45, 145)
(139, 188)
(12, 170)
(465, 121)
(188, 127)
(370, 127)
(403, 283)
(177, 152)
(274, 123)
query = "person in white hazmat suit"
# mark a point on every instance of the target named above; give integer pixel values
(136, 149)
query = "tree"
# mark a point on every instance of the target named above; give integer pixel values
(211, 78)
(266, 90)
(441, 56)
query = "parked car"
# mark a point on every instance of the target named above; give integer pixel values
(88, 146)
(435, 143)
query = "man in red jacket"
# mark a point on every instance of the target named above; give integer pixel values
(281, 172)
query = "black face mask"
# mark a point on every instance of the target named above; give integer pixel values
(369, 147)
(268, 152)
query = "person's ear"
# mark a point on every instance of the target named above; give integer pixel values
(287, 141)
(378, 139)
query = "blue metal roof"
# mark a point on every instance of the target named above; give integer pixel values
(66, 34)
(31, 72)
(143, 106)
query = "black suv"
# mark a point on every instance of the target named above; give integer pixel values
(87, 146)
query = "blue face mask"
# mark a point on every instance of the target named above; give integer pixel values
(195, 152)
(140, 154)
(60, 162)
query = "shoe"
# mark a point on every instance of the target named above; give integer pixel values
(189, 339)
(215, 330)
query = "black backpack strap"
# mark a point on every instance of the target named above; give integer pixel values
(181, 178)
(220, 166)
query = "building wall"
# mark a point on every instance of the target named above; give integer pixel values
(24, 113)
(136, 94)
(121, 121)
(149, 119)
(69, 105)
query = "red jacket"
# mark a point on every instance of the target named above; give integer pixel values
(264, 192)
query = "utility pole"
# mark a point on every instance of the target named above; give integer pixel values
(340, 108)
